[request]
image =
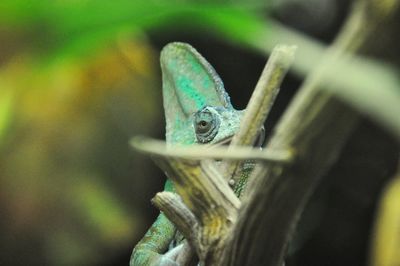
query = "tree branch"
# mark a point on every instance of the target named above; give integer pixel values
(259, 107)
(315, 126)
(177, 212)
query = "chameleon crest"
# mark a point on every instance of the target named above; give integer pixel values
(197, 108)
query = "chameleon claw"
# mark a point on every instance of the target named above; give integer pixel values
(154, 259)
(169, 258)
(166, 262)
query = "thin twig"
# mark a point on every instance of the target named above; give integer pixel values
(177, 212)
(259, 106)
(157, 147)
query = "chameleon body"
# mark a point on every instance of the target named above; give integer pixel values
(197, 110)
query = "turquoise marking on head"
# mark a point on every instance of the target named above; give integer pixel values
(189, 84)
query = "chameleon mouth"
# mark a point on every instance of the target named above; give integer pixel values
(257, 144)
(224, 142)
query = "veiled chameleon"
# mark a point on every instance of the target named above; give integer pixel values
(197, 110)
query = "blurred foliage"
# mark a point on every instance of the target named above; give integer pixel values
(64, 153)
(386, 244)
(78, 78)
(6, 101)
(64, 28)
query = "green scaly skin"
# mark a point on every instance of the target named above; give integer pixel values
(245, 172)
(189, 84)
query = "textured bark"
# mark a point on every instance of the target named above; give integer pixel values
(315, 127)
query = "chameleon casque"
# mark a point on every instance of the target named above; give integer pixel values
(197, 110)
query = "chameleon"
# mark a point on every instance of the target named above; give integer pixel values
(198, 110)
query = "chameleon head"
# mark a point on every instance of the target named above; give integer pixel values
(197, 108)
(215, 124)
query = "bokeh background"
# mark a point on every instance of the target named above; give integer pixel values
(79, 78)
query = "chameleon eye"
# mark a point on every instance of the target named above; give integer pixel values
(206, 125)
(203, 126)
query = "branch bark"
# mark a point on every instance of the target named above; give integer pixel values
(209, 198)
(315, 126)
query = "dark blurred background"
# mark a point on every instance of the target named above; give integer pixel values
(78, 79)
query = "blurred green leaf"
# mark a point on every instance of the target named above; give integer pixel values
(72, 27)
(66, 29)
(103, 211)
(6, 104)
